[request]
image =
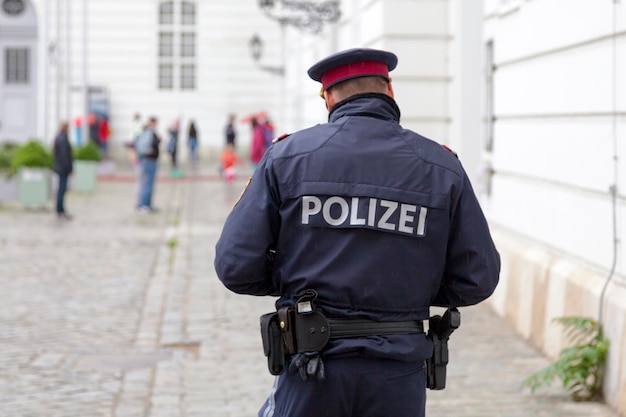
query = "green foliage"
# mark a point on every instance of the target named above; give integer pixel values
(7, 150)
(88, 152)
(32, 154)
(578, 367)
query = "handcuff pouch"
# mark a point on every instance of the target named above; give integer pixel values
(273, 346)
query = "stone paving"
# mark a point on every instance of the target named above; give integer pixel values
(118, 313)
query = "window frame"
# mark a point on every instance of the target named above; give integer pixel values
(17, 65)
(166, 17)
(166, 76)
(188, 44)
(187, 13)
(177, 45)
(188, 76)
(166, 44)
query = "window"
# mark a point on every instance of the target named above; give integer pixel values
(177, 45)
(188, 13)
(188, 44)
(166, 13)
(166, 44)
(16, 69)
(166, 76)
(187, 77)
(490, 116)
(489, 96)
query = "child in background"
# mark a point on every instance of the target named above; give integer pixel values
(229, 159)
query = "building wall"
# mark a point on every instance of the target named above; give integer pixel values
(122, 57)
(559, 139)
(18, 73)
(560, 111)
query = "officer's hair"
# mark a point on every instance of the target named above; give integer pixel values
(348, 88)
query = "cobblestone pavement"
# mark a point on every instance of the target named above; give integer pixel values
(117, 313)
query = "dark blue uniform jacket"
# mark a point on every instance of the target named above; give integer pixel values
(380, 221)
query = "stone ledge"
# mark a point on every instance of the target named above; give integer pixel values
(537, 285)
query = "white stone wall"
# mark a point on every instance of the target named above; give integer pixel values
(560, 101)
(560, 107)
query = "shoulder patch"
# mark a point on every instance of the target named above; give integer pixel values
(281, 137)
(450, 150)
(242, 192)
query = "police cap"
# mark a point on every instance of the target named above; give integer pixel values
(353, 63)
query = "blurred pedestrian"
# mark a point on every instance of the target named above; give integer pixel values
(94, 129)
(172, 142)
(258, 142)
(268, 132)
(104, 133)
(192, 142)
(147, 147)
(231, 133)
(136, 127)
(229, 160)
(63, 166)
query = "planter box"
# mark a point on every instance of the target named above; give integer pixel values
(34, 186)
(84, 177)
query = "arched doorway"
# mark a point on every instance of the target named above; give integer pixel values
(18, 71)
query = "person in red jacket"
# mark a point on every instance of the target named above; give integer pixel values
(258, 143)
(103, 134)
(230, 159)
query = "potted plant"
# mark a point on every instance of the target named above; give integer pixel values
(9, 190)
(32, 163)
(85, 167)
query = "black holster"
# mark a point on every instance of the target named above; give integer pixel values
(439, 331)
(273, 346)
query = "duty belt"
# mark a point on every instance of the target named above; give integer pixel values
(311, 332)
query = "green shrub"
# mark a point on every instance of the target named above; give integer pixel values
(88, 152)
(7, 150)
(32, 154)
(579, 367)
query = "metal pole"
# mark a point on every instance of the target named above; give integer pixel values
(68, 67)
(283, 81)
(45, 65)
(57, 61)
(85, 133)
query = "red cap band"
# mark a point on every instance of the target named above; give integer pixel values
(357, 69)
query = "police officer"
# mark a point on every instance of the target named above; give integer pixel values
(374, 222)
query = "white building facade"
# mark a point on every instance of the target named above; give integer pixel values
(557, 143)
(170, 59)
(530, 93)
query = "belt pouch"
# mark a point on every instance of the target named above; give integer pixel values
(286, 321)
(273, 346)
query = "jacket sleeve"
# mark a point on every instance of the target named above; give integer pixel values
(472, 263)
(243, 258)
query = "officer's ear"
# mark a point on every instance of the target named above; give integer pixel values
(329, 98)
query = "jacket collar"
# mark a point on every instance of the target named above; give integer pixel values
(376, 105)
